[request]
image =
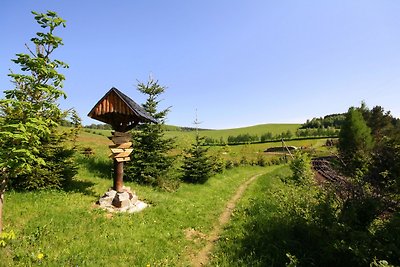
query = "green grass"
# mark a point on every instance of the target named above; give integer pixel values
(252, 151)
(275, 129)
(278, 223)
(69, 230)
(230, 250)
(185, 138)
(99, 143)
(260, 232)
(97, 131)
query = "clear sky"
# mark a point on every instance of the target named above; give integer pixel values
(239, 63)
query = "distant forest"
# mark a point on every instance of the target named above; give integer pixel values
(332, 120)
(102, 126)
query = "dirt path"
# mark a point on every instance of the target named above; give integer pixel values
(202, 258)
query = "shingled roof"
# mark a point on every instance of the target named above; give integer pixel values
(120, 111)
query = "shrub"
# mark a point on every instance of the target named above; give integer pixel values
(197, 165)
(261, 160)
(244, 161)
(59, 169)
(229, 164)
(217, 164)
(301, 169)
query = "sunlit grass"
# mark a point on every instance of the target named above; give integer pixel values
(69, 230)
(65, 228)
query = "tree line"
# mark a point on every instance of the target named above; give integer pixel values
(328, 121)
(268, 136)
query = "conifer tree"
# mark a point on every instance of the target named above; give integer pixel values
(151, 159)
(355, 143)
(197, 166)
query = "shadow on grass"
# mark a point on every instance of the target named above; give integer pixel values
(287, 242)
(83, 187)
(99, 167)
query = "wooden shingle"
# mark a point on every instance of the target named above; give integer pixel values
(120, 111)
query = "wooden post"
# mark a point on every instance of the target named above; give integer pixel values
(118, 175)
(120, 153)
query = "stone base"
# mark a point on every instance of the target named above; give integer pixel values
(124, 201)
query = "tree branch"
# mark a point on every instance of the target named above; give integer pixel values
(30, 51)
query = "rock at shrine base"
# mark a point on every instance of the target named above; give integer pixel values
(125, 201)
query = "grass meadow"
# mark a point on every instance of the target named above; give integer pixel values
(185, 138)
(69, 230)
(65, 227)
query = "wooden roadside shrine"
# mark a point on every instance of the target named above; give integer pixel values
(123, 114)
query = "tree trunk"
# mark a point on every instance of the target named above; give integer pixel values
(2, 190)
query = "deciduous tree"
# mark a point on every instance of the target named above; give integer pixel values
(32, 150)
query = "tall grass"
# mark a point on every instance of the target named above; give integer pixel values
(279, 224)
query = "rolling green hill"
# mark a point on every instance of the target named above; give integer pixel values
(253, 130)
(185, 137)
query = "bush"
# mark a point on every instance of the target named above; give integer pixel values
(244, 161)
(261, 160)
(229, 164)
(197, 165)
(218, 164)
(59, 169)
(302, 169)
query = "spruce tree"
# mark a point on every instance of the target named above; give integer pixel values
(197, 165)
(151, 159)
(355, 143)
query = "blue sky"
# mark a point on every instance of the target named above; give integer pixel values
(239, 63)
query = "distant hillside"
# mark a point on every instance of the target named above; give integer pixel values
(183, 129)
(260, 129)
(186, 135)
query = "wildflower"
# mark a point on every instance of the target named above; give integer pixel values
(40, 256)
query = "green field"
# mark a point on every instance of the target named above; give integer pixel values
(233, 152)
(186, 137)
(275, 129)
(65, 228)
(68, 229)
